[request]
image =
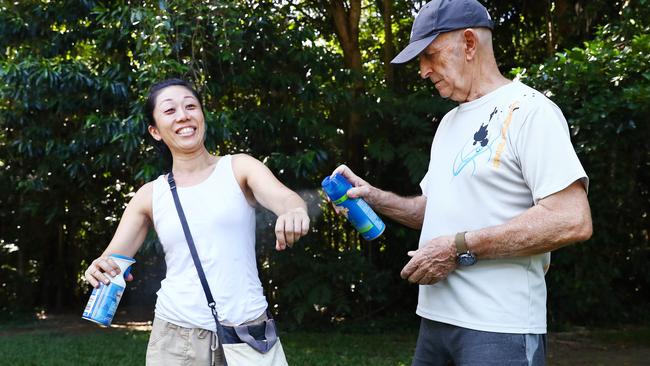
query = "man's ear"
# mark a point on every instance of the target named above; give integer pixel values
(470, 38)
(153, 131)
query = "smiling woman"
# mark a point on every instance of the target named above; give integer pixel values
(218, 195)
(192, 104)
(178, 118)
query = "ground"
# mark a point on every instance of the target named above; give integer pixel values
(619, 347)
(584, 347)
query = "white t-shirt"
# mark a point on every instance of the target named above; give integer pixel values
(492, 159)
(222, 224)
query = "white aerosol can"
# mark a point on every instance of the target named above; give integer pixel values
(104, 299)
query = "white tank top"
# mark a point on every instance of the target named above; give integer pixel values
(222, 224)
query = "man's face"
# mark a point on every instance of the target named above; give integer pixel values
(443, 63)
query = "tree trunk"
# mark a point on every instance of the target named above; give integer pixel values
(386, 8)
(550, 30)
(564, 21)
(59, 266)
(346, 26)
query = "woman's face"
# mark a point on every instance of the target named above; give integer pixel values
(179, 120)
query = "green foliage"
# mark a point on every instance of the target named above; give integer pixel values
(528, 32)
(73, 145)
(603, 89)
(330, 280)
(67, 143)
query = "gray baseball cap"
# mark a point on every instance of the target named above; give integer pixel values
(440, 16)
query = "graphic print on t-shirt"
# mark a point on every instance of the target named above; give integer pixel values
(504, 130)
(483, 139)
(481, 136)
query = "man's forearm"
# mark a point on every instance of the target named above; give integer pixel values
(408, 211)
(562, 219)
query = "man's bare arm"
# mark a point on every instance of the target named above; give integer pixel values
(557, 220)
(408, 211)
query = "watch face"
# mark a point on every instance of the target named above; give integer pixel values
(466, 259)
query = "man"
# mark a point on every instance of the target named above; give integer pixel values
(504, 187)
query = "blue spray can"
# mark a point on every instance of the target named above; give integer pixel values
(357, 211)
(104, 299)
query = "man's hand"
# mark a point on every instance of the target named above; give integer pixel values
(407, 211)
(431, 263)
(290, 227)
(360, 188)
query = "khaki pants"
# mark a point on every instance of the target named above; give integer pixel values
(173, 345)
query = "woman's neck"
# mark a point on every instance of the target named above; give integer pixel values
(188, 164)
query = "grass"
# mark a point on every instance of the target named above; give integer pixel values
(118, 347)
(128, 347)
(321, 349)
(72, 341)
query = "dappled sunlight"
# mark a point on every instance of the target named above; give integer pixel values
(141, 326)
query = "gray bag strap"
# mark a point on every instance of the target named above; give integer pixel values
(262, 346)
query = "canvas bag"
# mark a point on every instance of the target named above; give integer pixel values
(252, 345)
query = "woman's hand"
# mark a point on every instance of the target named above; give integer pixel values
(103, 269)
(291, 226)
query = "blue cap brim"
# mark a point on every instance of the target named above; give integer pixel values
(413, 49)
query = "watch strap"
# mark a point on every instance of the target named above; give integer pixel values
(461, 245)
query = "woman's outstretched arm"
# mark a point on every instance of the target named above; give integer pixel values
(258, 182)
(128, 238)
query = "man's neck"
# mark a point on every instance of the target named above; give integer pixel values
(485, 79)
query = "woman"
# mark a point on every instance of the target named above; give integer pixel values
(218, 195)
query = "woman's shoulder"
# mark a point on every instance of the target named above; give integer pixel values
(145, 191)
(246, 167)
(141, 200)
(147, 188)
(244, 161)
(242, 157)
(244, 164)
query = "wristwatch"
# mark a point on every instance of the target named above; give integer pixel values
(463, 255)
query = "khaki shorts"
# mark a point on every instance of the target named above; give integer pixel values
(173, 345)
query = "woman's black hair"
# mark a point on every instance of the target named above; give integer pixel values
(150, 104)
